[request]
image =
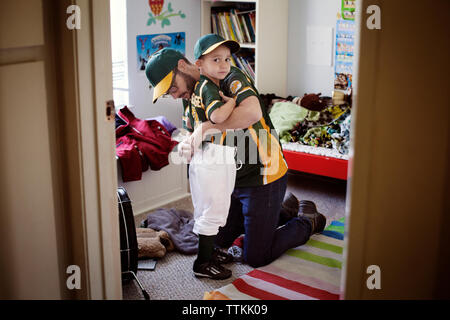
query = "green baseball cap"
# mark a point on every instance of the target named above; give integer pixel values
(209, 42)
(159, 70)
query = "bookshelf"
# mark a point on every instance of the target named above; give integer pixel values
(267, 54)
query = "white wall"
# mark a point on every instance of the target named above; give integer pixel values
(157, 188)
(304, 78)
(137, 16)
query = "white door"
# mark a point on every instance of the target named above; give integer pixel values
(29, 234)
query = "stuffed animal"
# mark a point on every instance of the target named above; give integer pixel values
(311, 102)
(152, 243)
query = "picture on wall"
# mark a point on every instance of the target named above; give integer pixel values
(348, 9)
(149, 44)
(164, 16)
(345, 42)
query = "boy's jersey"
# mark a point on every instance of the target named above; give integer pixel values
(204, 100)
(260, 158)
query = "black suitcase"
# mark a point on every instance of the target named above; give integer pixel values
(128, 240)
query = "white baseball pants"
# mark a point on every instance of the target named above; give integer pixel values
(212, 175)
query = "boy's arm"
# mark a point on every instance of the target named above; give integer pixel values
(248, 112)
(243, 117)
(248, 109)
(219, 115)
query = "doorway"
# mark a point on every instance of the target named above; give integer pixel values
(328, 192)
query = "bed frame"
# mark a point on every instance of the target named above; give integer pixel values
(317, 164)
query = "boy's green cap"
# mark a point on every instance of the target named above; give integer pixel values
(159, 70)
(211, 41)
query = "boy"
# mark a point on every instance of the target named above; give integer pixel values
(212, 171)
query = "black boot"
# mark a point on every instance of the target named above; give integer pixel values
(308, 210)
(289, 209)
(290, 205)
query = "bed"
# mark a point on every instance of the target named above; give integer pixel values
(315, 138)
(316, 160)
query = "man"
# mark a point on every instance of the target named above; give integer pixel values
(261, 179)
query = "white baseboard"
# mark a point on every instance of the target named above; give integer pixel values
(156, 188)
(152, 204)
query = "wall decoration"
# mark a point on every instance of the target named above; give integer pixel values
(345, 42)
(156, 6)
(149, 44)
(348, 9)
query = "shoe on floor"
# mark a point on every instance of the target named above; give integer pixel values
(221, 257)
(290, 205)
(308, 210)
(211, 270)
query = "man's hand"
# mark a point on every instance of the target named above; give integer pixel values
(185, 149)
(193, 143)
(196, 138)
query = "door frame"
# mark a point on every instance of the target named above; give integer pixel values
(86, 84)
(360, 154)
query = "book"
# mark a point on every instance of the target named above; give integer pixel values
(250, 27)
(252, 16)
(224, 26)
(246, 68)
(236, 26)
(233, 61)
(219, 26)
(230, 27)
(238, 62)
(213, 24)
(244, 28)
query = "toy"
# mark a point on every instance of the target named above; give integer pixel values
(311, 102)
(152, 243)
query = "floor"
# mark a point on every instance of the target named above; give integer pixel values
(173, 279)
(328, 194)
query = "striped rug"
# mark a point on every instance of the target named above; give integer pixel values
(309, 272)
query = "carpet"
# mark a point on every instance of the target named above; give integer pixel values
(174, 269)
(308, 272)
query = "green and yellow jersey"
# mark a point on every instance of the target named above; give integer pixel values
(260, 158)
(204, 100)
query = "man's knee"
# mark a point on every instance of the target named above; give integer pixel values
(257, 260)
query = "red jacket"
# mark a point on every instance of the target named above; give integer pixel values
(140, 144)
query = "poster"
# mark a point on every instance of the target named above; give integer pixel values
(149, 44)
(348, 9)
(345, 45)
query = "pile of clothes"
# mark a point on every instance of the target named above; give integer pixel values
(142, 144)
(325, 124)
